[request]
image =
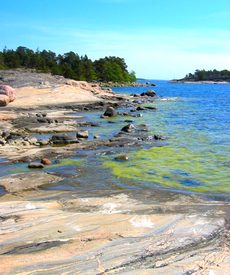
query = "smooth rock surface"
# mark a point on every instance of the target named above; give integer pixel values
(117, 233)
(26, 181)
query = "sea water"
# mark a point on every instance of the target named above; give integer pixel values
(196, 120)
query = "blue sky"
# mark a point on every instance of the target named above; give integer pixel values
(160, 39)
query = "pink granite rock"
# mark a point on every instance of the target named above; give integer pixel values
(8, 91)
(4, 100)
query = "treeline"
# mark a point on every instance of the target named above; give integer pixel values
(212, 75)
(69, 65)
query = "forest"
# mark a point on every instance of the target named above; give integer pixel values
(210, 75)
(69, 65)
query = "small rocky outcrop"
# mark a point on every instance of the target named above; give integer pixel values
(150, 93)
(63, 139)
(110, 112)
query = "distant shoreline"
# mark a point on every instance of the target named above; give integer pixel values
(199, 82)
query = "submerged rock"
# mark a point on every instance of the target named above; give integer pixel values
(142, 127)
(122, 157)
(151, 108)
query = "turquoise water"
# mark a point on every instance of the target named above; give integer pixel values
(196, 119)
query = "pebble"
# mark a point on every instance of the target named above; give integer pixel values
(46, 161)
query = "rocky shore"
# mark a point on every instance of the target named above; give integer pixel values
(127, 84)
(48, 228)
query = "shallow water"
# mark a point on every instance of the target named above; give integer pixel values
(197, 157)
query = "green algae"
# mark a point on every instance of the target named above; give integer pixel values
(191, 161)
(176, 167)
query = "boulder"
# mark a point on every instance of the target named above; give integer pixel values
(4, 100)
(110, 112)
(128, 128)
(82, 134)
(8, 91)
(150, 93)
(35, 165)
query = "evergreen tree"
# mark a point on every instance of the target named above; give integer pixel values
(69, 65)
